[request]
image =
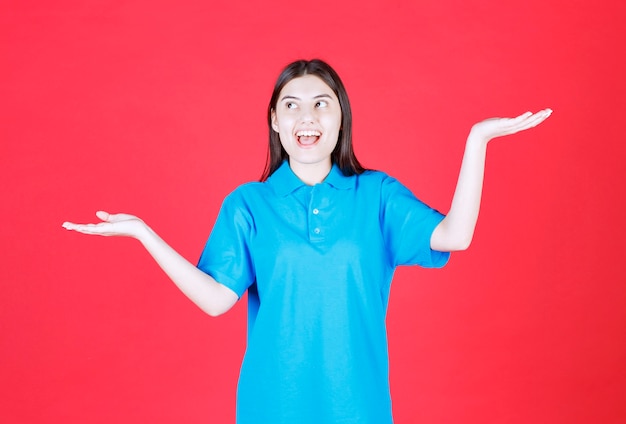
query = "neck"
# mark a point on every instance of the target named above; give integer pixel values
(311, 174)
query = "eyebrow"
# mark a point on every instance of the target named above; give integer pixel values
(319, 96)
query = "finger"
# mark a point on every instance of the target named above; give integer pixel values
(76, 227)
(104, 216)
(101, 229)
(111, 217)
(535, 119)
(526, 121)
(522, 116)
(116, 217)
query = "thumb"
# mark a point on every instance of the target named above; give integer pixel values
(104, 216)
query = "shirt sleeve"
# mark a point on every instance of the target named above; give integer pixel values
(226, 255)
(407, 225)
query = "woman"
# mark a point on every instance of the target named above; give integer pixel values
(315, 244)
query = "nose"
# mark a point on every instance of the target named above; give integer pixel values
(307, 115)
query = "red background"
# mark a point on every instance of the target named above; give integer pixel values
(158, 108)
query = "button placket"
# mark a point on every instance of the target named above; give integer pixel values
(315, 224)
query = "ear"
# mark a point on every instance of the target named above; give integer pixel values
(274, 121)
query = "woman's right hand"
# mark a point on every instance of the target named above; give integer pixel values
(211, 296)
(120, 224)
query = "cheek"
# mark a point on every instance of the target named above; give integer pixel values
(333, 123)
(284, 139)
(283, 124)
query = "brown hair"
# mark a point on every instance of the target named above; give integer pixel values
(343, 155)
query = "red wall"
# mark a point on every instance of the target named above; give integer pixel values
(158, 108)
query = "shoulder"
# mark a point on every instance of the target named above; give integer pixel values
(244, 198)
(240, 206)
(378, 179)
(247, 191)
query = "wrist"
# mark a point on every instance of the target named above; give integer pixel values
(477, 140)
(144, 233)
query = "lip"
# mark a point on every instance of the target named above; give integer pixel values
(312, 131)
(307, 132)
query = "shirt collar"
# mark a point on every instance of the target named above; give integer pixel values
(284, 181)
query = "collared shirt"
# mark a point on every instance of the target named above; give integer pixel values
(317, 262)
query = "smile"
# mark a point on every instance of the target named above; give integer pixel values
(308, 137)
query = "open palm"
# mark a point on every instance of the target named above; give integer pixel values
(120, 224)
(498, 127)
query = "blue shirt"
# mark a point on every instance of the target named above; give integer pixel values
(317, 262)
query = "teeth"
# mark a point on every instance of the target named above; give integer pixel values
(308, 133)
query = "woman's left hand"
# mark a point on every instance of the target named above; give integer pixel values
(456, 230)
(498, 127)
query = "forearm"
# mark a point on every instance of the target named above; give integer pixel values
(211, 296)
(456, 230)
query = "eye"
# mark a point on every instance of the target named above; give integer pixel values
(321, 103)
(291, 105)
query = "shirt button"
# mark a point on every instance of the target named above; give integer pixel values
(316, 211)
(316, 231)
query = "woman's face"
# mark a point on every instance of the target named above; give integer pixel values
(307, 118)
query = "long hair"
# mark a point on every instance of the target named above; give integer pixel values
(343, 154)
